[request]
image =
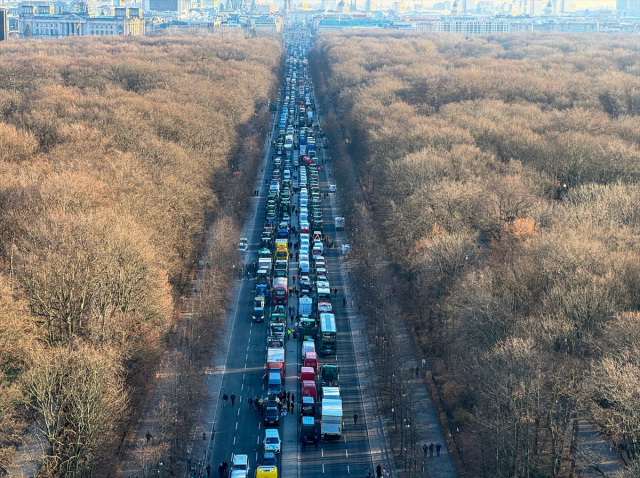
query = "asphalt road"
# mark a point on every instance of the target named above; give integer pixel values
(239, 430)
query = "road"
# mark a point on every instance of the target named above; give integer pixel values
(239, 430)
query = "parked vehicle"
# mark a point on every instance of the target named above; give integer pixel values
(308, 429)
(329, 375)
(271, 440)
(309, 389)
(271, 414)
(331, 420)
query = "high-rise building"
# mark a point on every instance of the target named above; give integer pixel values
(4, 25)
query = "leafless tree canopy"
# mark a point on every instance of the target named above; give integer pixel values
(114, 155)
(501, 175)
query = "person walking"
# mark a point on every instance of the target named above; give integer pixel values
(221, 470)
(149, 436)
(379, 470)
(226, 465)
(344, 301)
(304, 442)
(250, 400)
(438, 446)
(293, 399)
(335, 292)
(367, 473)
(431, 447)
(355, 419)
(288, 396)
(315, 442)
(288, 334)
(225, 397)
(233, 399)
(418, 373)
(208, 470)
(425, 449)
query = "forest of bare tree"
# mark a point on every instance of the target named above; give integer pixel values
(503, 174)
(115, 153)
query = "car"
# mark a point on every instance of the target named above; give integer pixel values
(243, 245)
(286, 218)
(269, 459)
(239, 474)
(271, 415)
(272, 440)
(241, 463)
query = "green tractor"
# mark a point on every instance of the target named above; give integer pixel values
(329, 375)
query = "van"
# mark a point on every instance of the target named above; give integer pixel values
(308, 429)
(266, 471)
(308, 407)
(275, 383)
(308, 346)
(309, 389)
(311, 360)
(304, 267)
(307, 373)
(272, 440)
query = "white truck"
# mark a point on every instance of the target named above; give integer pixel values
(339, 222)
(331, 421)
(304, 306)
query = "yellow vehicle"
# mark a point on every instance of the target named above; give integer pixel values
(267, 472)
(282, 249)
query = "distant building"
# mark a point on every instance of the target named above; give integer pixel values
(628, 7)
(267, 23)
(4, 24)
(467, 27)
(166, 5)
(42, 22)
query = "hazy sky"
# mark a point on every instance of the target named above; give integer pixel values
(594, 3)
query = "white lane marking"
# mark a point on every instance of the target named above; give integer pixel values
(322, 452)
(245, 366)
(241, 388)
(234, 441)
(238, 411)
(258, 441)
(348, 471)
(263, 386)
(323, 468)
(256, 457)
(347, 453)
(246, 357)
(259, 425)
(236, 425)
(242, 376)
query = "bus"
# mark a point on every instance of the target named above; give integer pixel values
(328, 334)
